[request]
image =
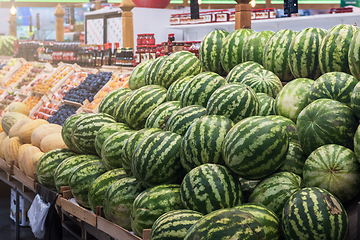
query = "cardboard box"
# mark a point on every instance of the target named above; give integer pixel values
(23, 208)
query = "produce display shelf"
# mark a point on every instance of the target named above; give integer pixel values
(8, 168)
(24, 179)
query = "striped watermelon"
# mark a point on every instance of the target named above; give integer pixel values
(141, 103)
(137, 77)
(314, 213)
(253, 47)
(131, 145)
(65, 168)
(175, 89)
(275, 190)
(152, 70)
(47, 164)
(199, 89)
(152, 203)
(238, 73)
(105, 132)
(334, 49)
(119, 113)
(203, 141)
(210, 51)
(176, 66)
(303, 53)
(255, 147)
(266, 217)
(288, 125)
(84, 131)
(181, 120)
(66, 131)
(231, 52)
(293, 98)
(334, 85)
(174, 225)
(226, 224)
(326, 121)
(159, 117)
(247, 187)
(295, 160)
(210, 187)
(334, 168)
(108, 103)
(354, 55)
(118, 201)
(82, 177)
(100, 185)
(276, 54)
(263, 81)
(235, 101)
(266, 104)
(354, 100)
(156, 160)
(111, 151)
(357, 142)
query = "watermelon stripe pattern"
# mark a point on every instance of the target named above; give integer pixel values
(152, 70)
(354, 55)
(333, 53)
(288, 125)
(238, 73)
(295, 159)
(108, 103)
(67, 129)
(263, 81)
(253, 48)
(357, 142)
(266, 104)
(159, 117)
(355, 100)
(303, 53)
(137, 76)
(119, 113)
(210, 187)
(314, 213)
(175, 89)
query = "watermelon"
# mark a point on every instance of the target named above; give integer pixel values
(334, 49)
(231, 52)
(276, 54)
(105, 132)
(152, 203)
(175, 89)
(326, 121)
(176, 66)
(137, 76)
(288, 125)
(210, 187)
(174, 225)
(314, 213)
(210, 51)
(266, 217)
(334, 85)
(247, 187)
(303, 53)
(355, 100)
(131, 145)
(255, 147)
(159, 117)
(263, 81)
(275, 190)
(266, 104)
(253, 47)
(47, 164)
(357, 143)
(82, 177)
(152, 70)
(199, 89)
(119, 113)
(295, 160)
(100, 185)
(112, 148)
(235, 101)
(293, 98)
(84, 131)
(66, 131)
(181, 120)
(156, 160)
(334, 168)
(66, 167)
(108, 103)
(238, 73)
(354, 55)
(226, 224)
(118, 201)
(141, 103)
(203, 141)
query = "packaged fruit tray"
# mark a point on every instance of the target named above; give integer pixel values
(35, 70)
(34, 100)
(18, 76)
(11, 67)
(44, 110)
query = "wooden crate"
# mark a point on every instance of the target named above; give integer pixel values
(79, 212)
(8, 168)
(24, 179)
(114, 231)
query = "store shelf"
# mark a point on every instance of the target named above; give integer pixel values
(203, 25)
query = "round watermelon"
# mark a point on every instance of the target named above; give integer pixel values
(354, 100)
(295, 159)
(159, 117)
(137, 76)
(288, 125)
(152, 70)
(266, 104)
(263, 81)
(119, 113)
(354, 55)
(238, 73)
(253, 47)
(66, 131)
(357, 143)
(108, 103)
(175, 89)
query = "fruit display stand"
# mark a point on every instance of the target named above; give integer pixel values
(9, 71)
(35, 70)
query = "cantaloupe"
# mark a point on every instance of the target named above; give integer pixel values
(51, 142)
(44, 130)
(26, 130)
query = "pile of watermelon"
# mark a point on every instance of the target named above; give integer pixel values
(7, 45)
(219, 148)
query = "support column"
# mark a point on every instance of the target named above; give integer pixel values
(12, 25)
(127, 23)
(59, 24)
(242, 14)
(97, 4)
